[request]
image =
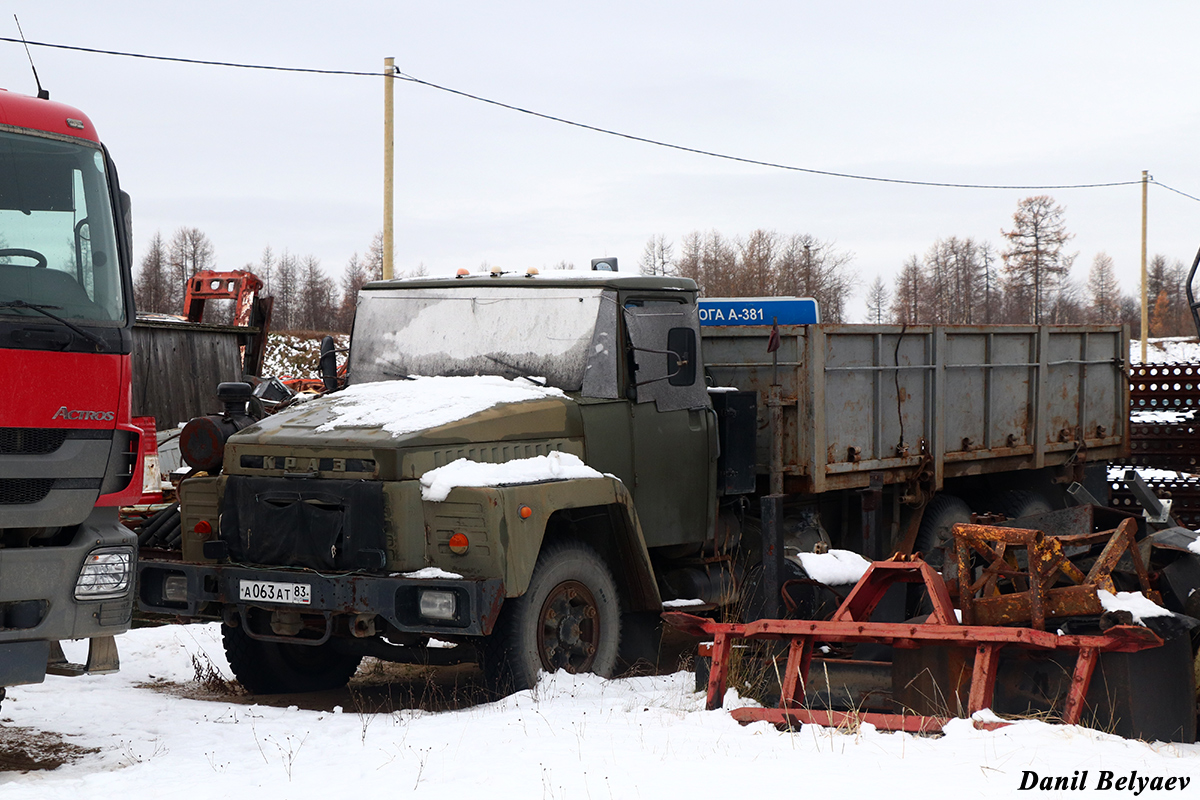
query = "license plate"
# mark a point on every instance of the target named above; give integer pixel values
(271, 592)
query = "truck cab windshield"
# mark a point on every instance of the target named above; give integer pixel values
(564, 337)
(58, 248)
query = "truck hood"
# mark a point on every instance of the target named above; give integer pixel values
(422, 411)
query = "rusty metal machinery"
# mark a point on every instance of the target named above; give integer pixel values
(238, 285)
(1029, 631)
(1012, 576)
(852, 623)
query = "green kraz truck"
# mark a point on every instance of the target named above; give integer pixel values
(522, 469)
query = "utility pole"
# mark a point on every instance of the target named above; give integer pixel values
(389, 164)
(1145, 302)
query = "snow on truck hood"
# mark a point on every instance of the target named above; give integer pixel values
(437, 483)
(420, 403)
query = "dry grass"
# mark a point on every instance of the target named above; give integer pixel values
(211, 679)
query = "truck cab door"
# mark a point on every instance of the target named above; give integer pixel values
(673, 427)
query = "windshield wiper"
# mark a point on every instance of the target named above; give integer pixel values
(45, 311)
(520, 372)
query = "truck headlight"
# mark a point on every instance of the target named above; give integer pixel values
(105, 573)
(437, 605)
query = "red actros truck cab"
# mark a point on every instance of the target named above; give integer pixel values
(69, 453)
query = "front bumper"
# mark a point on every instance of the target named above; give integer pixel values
(38, 604)
(37, 586)
(213, 588)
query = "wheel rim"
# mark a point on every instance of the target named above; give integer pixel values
(568, 631)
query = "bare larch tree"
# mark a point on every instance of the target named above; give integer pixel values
(1034, 261)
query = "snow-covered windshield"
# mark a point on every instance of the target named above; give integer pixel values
(57, 244)
(557, 334)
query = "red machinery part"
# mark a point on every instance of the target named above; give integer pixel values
(851, 624)
(238, 285)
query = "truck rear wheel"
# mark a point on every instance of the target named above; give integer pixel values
(278, 668)
(935, 539)
(569, 618)
(1017, 503)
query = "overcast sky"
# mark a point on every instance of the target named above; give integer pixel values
(1009, 93)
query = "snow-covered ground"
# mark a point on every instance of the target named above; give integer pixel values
(1174, 349)
(571, 737)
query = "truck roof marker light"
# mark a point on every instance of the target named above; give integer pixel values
(531, 272)
(462, 272)
(497, 272)
(459, 544)
(526, 512)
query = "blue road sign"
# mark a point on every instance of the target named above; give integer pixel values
(758, 310)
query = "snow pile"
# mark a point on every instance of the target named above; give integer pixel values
(835, 567)
(406, 406)
(431, 573)
(437, 483)
(569, 737)
(1136, 603)
(1161, 416)
(683, 603)
(1117, 474)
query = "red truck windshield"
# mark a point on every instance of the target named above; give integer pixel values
(58, 248)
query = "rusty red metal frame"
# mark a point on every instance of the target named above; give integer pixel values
(238, 285)
(1031, 593)
(851, 624)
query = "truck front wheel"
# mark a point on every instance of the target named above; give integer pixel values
(278, 668)
(569, 618)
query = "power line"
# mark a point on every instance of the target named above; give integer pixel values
(597, 129)
(1176, 191)
(756, 162)
(191, 60)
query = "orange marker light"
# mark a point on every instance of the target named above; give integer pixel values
(463, 272)
(526, 512)
(459, 544)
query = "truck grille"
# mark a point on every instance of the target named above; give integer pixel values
(31, 441)
(23, 491)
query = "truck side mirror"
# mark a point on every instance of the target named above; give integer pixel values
(328, 364)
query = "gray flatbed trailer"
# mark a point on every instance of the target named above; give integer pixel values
(956, 400)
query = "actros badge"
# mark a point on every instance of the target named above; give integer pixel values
(79, 414)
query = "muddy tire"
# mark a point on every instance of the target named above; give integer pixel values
(278, 668)
(569, 618)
